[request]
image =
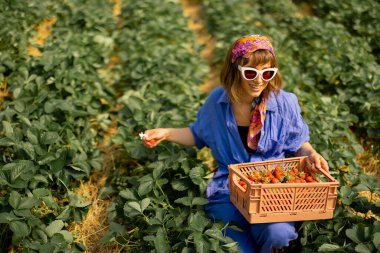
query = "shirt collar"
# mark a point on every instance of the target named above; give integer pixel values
(270, 106)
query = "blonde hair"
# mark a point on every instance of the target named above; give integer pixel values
(231, 78)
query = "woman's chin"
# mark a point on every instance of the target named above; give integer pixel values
(255, 92)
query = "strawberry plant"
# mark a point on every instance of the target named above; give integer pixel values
(47, 143)
(159, 203)
(331, 108)
(57, 105)
(360, 18)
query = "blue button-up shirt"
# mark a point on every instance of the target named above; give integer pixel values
(283, 133)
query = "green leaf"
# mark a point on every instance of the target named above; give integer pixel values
(7, 142)
(158, 170)
(58, 239)
(144, 204)
(67, 235)
(347, 195)
(145, 188)
(57, 165)
(54, 227)
(47, 248)
(77, 201)
(231, 245)
(26, 213)
(198, 222)
(7, 128)
(363, 248)
(25, 120)
(199, 201)
(3, 179)
(40, 192)
(32, 137)
(8, 217)
(196, 174)
(358, 233)
(49, 138)
(27, 203)
(127, 194)
(28, 148)
(135, 205)
(160, 242)
(216, 234)
(180, 184)
(184, 201)
(14, 199)
(376, 240)
(117, 228)
(19, 228)
(362, 187)
(42, 235)
(18, 168)
(65, 214)
(201, 244)
(326, 247)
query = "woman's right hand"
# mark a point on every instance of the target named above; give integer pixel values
(181, 136)
(153, 137)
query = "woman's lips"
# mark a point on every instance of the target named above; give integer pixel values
(255, 87)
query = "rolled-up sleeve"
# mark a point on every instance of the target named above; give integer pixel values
(197, 129)
(298, 131)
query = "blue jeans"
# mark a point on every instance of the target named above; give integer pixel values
(260, 238)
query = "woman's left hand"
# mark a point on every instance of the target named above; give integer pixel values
(317, 162)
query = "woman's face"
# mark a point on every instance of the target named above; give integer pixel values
(254, 88)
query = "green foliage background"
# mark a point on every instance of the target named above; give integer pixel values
(61, 104)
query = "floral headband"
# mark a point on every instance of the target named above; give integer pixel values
(246, 45)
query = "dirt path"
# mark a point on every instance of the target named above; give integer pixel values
(194, 10)
(43, 32)
(95, 225)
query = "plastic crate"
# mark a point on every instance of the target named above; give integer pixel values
(280, 202)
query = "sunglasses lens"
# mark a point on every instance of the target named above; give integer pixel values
(268, 74)
(250, 74)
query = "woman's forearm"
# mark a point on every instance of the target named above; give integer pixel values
(182, 136)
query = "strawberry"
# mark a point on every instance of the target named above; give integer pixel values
(251, 177)
(309, 179)
(151, 142)
(269, 174)
(278, 174)
(274, 180)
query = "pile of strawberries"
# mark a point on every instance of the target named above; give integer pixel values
(279, 175)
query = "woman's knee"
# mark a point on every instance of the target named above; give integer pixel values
(278, 235)
(281, 234)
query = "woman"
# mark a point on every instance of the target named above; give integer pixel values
(250, 118)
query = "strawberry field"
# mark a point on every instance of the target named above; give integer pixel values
(75, 96)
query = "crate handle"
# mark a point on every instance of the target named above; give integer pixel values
(327, 174)
(237, 175)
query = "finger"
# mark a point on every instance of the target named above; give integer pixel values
(153, 144)
(153, 135)
(317, 161)
(325, 165)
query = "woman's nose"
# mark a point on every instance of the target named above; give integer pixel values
(258, 79)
